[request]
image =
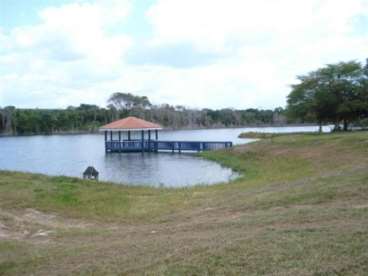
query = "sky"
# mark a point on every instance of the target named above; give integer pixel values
(197, 53)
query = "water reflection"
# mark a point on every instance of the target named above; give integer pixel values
(164, 169)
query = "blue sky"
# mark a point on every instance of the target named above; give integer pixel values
(26, 12)
(197, 53)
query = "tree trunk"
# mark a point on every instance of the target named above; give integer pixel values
(320, 127)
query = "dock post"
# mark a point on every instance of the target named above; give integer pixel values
(149, 140)
(142, 141)
(105, 141)
(119, 141)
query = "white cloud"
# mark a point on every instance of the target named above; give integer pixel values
(62, 59)
(266, 42)
(213, 24)
(202, 53)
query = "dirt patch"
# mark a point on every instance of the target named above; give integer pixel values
(363, 206)
(38, 217)
(33, 224)
(4, 233)
(51, 220)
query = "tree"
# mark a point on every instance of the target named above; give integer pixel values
(343, 80)
(9, 123)
(127, 101)
(2, 121)
(301, 100)
(332, 94)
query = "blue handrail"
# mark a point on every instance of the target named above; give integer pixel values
(155, 146)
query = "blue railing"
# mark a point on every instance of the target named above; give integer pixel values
(155, 146)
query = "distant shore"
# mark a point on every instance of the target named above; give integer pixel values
(80, 132)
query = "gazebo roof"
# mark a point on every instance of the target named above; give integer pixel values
(130, 123)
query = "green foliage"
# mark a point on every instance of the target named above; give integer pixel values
(336, 93)
(88, 118)
(128, 101)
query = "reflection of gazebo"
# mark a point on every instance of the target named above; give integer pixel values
(130, 134)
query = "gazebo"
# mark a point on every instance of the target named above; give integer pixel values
(131, 134)
(136, 135)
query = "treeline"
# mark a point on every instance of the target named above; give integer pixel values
(335, 94)
(14, 121)
(88, 118)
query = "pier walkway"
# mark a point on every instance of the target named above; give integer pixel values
(157, 145)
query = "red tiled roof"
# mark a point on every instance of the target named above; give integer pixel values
(131, 123)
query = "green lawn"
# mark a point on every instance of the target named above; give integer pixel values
(300, 208)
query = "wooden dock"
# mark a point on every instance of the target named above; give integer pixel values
(132, 134)
(168, 146)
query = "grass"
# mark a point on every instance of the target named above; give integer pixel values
(266, 135)
(76, 198)
(300, 208)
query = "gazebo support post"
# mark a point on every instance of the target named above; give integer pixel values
(128, 135)
(149, 140)
(105, 141)
(119, 141)
(156, 144)
(142, 133)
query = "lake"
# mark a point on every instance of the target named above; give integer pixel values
(70, 155)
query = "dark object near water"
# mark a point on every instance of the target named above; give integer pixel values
(90, 173)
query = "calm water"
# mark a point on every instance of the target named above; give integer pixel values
(71, 154)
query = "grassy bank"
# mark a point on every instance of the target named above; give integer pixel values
(301, 208)
(268, 135)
